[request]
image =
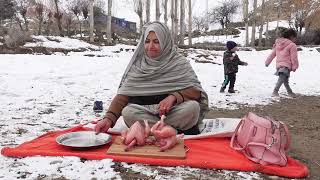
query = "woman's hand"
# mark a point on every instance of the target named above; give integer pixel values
(103, 125)
(136, 135)
(166, 104)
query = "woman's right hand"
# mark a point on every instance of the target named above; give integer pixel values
(103, 125)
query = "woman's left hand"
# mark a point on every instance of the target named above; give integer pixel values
(166, 104)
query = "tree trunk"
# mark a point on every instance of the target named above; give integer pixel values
(20, 24)
(254, 18)
(278, 16)
(176, 21)
(165, 16)
(80, 28)
(245, 19)
(148, 10)
(91, 22)
(26, 23)
(182, 22)
(157, 10)
(261, 23)
(109, 39)
(58, 17)
(48, 28)
(267, 33)
(40, 25)
(172, 18)
(190, 23)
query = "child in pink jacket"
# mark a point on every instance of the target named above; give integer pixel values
(287, 59)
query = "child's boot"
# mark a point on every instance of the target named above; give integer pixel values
(292, 94)
(275, 94)
(222, 89)
(231, 90)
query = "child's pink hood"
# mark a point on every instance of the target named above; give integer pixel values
(282, 43)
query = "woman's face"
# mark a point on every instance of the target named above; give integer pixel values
(152, 45)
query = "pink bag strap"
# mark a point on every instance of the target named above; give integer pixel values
(267, 146)
(233, 144)
(286, 147)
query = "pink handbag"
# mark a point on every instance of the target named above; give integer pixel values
(262, 140)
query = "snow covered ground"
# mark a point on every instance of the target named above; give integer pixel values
(239, 39)
(40, 93)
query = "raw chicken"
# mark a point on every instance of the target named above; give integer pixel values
(165, 135)
(136, 135)
(160, 134)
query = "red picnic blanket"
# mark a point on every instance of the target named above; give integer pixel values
(209, 153)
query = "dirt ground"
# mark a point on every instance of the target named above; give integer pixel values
(301, 114)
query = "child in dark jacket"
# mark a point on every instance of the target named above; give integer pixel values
(230, 62)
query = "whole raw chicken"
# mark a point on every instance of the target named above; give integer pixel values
(136, 135)
(163, 135)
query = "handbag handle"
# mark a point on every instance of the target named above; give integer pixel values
(263, 145)
(233, 143)
(286, 147)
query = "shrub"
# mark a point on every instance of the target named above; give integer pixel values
(16, 37)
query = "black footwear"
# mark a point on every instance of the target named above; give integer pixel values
(192, 131)
(98, 106)
(231, 91)
(222, 89)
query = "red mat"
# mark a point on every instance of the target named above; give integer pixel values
(210, 153)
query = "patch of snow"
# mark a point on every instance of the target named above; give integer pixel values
(59, 42)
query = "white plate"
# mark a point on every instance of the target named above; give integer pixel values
(83, 139)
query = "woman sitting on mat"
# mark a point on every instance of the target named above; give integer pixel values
(158, 81)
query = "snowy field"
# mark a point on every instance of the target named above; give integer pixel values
(239, 39)
(40, 93)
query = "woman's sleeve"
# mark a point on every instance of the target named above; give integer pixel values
(190, 93)
(118, 103)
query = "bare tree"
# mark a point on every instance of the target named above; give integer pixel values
(165, 7)
(39, 10)
(138, 8)
(91, 21)
(75, 7)
(85, 10)
(7, 9)
(245, 5)
(262, 17)
(148, 10)
(182, 22)
(22, 8)
(254, 20)
(190, 23)
(199, 22)
(49, 22)
(222, 13)
(58, 16)
(109, 38)
(67, 20)
(157, 10)
(301, 11)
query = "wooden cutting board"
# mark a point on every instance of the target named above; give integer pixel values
(177, 152)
